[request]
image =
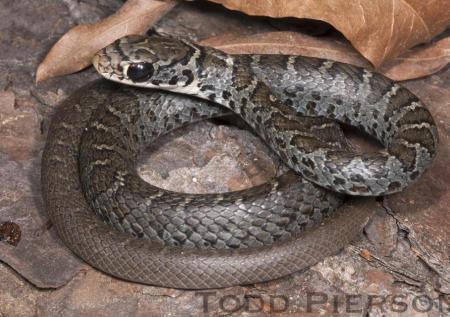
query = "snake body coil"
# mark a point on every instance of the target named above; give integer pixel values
(312, 146)
(348, 94)
(258, 216)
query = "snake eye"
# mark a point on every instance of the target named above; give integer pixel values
(140, 72)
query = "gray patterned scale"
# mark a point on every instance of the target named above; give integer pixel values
(253, 87)
(119, 130)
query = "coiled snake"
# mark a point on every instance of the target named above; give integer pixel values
(112, 124)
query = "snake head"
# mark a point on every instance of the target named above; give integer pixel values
(148, 61)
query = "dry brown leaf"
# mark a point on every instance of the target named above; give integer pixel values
(419, 62)
(379, 30)
(74, 51)
(286, 43)
(413, 64)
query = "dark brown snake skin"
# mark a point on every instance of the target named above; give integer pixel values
(310, 145)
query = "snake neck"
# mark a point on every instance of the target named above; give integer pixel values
(230, 81)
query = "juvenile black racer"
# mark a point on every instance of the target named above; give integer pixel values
(310, 145)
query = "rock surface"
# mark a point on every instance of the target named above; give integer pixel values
(400, 267)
